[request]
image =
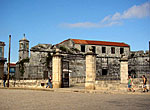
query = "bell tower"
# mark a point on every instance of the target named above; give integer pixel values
(23, 48)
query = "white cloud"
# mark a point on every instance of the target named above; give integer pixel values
(116, 16)
(84, 25)
(91, 25)
(107, 18)
(135, 11)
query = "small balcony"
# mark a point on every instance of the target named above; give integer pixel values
(2, 59)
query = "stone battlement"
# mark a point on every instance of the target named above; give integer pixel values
(140, 53)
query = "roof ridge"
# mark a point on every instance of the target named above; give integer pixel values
(95, 42)
(98, 41)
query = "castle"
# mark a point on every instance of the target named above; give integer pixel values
(108, 55)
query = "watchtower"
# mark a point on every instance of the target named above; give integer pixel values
(23, 48)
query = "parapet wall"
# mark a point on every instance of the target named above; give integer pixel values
(99, 85)
(26, 83)
(116, 85)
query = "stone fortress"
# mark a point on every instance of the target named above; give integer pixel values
(73, 51)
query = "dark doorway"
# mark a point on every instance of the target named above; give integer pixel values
(104, 71)
(65, 79)
(65, 74)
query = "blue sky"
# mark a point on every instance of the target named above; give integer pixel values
(52, 21)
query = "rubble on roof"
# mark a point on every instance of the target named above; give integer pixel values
(42, 47)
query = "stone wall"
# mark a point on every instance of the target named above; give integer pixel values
(116, 85)
(99, 85)
(32, 72)
(38, 64)
(39, 53)
(76, 80)
(23, 54)
(25, 83)
(38, 58)
(76, 69)
(139, 63)
(110, 65)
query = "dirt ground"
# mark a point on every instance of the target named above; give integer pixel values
(46, 100)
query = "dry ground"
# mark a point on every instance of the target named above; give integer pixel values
(45, 100)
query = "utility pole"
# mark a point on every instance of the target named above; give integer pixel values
(8, 60)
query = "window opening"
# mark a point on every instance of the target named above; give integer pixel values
(82, 48)
(121, 50)
(103, 49)
(113, 50)
(104, 71)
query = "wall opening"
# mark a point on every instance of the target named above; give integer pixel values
(93, 49)
(112, 50)
(121, 50)
(82, 48)
(104, 71)
(103, 49)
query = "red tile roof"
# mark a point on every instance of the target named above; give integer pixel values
(12, 64)
(91, 42)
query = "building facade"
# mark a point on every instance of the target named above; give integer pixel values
(2, 59)
(107, 60)
(101, 48)
(73, 51)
